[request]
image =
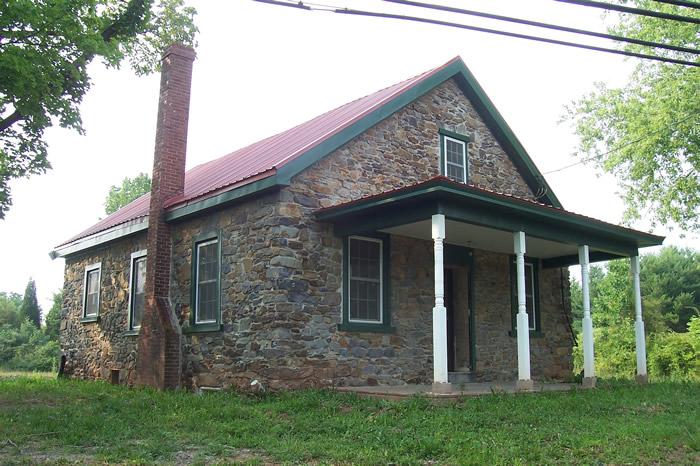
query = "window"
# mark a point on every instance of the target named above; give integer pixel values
(91, 292)
(453, 150)
(137, 289)
(365, 280)
(532, 300)
(365, 285)
(206, 282)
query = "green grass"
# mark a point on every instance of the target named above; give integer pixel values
(65, 421)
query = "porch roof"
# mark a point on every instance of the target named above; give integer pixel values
(486, 219)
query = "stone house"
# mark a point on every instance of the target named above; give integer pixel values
(405, 237)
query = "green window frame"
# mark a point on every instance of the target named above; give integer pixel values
(352, 281)
(205, 304)
(137, 283)
(92, 289)
(532, 293)
(449, 142)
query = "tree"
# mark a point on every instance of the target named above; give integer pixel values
(30, 308)
(130, 189)
(53, 317)
(647, 134)
(45, 48)
(10, 304)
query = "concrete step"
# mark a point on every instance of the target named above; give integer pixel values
(461, 377)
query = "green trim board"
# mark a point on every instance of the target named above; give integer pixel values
(222, 199)
(194, 326)
(385, 326)
(474, 205)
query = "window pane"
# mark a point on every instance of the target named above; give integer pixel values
(364, 300)
(455, 160)
(455, 172)
(138, 290)
(365, 261)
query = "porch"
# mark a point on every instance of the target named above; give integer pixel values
(457, 391)
(456, 218)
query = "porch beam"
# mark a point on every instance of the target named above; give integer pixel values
(524, 381)
(440, 376)
(588, 358)
(641, 349)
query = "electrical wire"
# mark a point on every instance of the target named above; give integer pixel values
(631, 10)
(480, 14)
(680, 3)
(646, 136)
(418, 19)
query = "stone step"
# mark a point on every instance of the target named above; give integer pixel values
(461, 377)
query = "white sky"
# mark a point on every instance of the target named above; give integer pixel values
(262, 69)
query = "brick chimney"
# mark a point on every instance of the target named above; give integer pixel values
(159, 358)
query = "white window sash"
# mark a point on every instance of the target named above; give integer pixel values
(132, 283)
(86, 292)
(366, 279)
(197, 320)
(463, 165)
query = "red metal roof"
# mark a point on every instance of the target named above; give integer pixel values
(261, 159)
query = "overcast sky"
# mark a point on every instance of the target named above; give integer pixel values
(261, 69)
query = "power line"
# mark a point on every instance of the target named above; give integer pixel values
(348, 11)
(544, 25)
(631, 10)
(418, 19)
(680, 3)
(646, 136)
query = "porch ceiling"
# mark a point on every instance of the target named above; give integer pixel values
(488, 239)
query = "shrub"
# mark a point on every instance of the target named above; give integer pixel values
(676, 356)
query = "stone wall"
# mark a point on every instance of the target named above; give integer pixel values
(93, 349)
(496, 348)
(281, 270)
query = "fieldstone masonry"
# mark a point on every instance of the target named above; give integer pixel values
(281, 287)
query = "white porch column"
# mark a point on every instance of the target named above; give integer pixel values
(524, 381)
(588, 359)
(440, 381)
(641, 347)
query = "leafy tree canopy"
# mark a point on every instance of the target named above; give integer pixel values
(53, 317)
(30, 308)
(130, 189)
(647, 134)
(9, 309)
(45, 48)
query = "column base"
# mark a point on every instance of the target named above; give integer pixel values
(441, 388)
(642, 379)
(588, 382)
(524, 385)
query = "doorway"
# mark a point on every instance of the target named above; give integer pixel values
(457, 304)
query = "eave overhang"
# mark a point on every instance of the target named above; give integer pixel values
(472, 205)
(125, 229)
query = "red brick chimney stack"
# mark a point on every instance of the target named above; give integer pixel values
(159, 355)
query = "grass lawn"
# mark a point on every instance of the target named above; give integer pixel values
(46, 420)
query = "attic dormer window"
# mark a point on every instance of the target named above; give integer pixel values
(453, 156)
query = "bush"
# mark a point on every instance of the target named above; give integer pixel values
(27, 348)
(676, 356)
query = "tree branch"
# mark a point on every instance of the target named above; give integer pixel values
(10, 120)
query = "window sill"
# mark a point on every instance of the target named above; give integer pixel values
(89, 319)
(132, 333)
(362, 327)
(203, 328)
(533, 334)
